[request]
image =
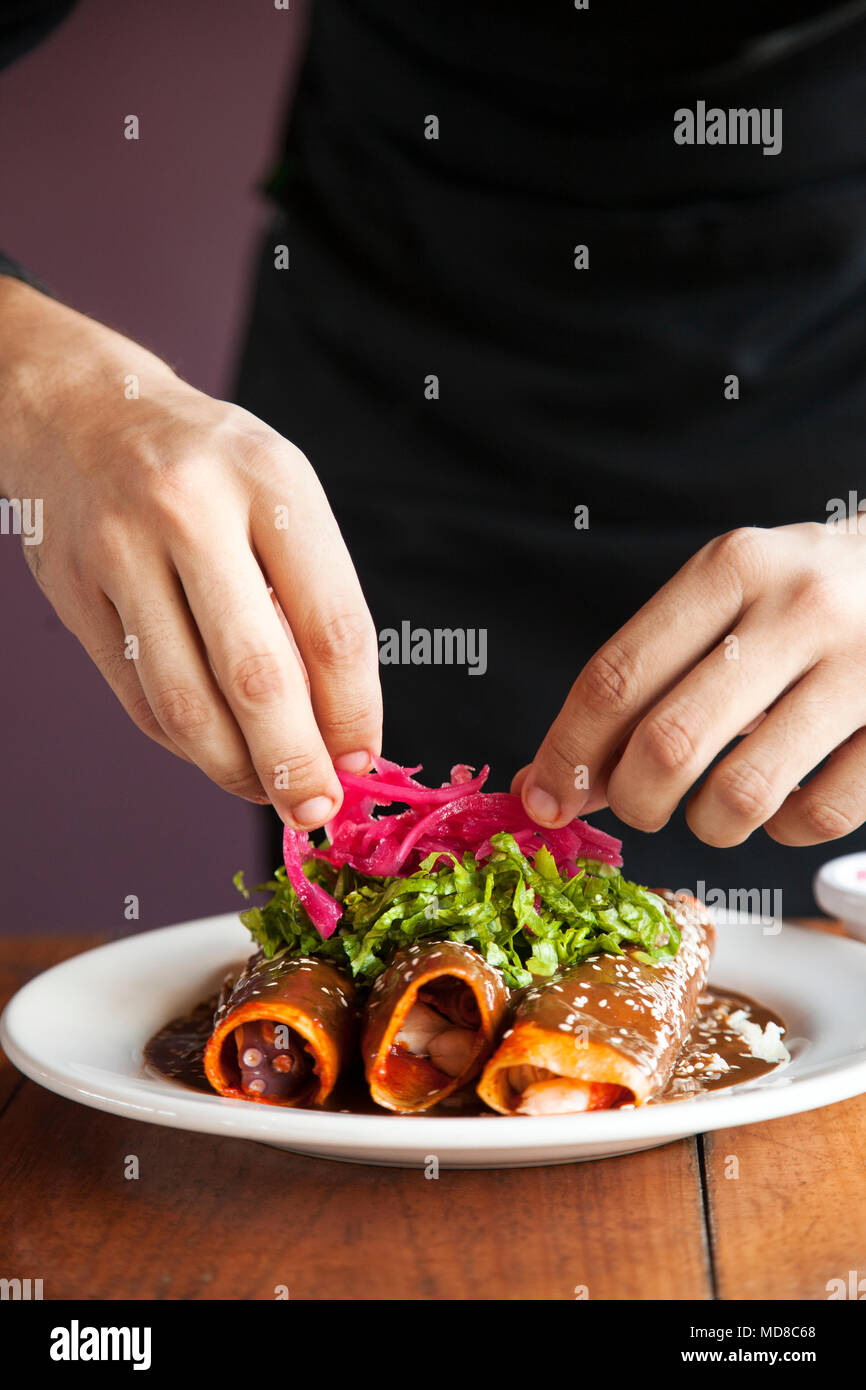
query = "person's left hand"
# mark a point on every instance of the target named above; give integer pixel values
(761, 634)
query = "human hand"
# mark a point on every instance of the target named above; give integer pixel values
(762, 633)
(167, 516)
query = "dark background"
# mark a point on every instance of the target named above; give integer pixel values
(158, 238)
(91, 810)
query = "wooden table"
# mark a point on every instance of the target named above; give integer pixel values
(221, 1218)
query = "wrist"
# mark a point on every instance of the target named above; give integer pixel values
(62, 375)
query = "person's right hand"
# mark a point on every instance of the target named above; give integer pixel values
(166, 518)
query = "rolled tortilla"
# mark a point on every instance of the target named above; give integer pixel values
(605, 1033)
(431, 1021)
(284, 1033)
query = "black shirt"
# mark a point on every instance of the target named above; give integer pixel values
(454, 258)
(557, 387)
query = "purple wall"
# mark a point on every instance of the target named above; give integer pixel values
(155, 238)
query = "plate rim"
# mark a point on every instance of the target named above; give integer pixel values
(347, 1131)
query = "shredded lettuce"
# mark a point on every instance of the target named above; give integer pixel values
(524, 918)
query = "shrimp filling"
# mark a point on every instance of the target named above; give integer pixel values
(442, 1026)
(272, 1060)
(537, 1091)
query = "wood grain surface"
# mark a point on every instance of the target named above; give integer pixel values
(210, 1217)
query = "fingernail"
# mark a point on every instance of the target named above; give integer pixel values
(541, 805)
(353, 762)
(314, 812)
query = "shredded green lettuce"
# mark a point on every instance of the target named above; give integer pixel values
(522, 917)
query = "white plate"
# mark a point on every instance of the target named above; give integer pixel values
(840, 888)
(79, 1029)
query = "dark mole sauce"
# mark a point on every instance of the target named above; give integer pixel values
(714, 1056)
(177, 1052)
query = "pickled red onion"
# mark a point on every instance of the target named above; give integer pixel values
(446, 820)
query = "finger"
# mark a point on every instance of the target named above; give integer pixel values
(290, 638)
(103, 638)
(307, 563)
(833, 802)
(753, 724)
(689, 726)
(596, 795)
(260, 677)
(751, 783)
(179, 685)
(675, 629)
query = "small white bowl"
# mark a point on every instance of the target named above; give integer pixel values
(840, 889)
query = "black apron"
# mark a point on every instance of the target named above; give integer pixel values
(558, 388)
